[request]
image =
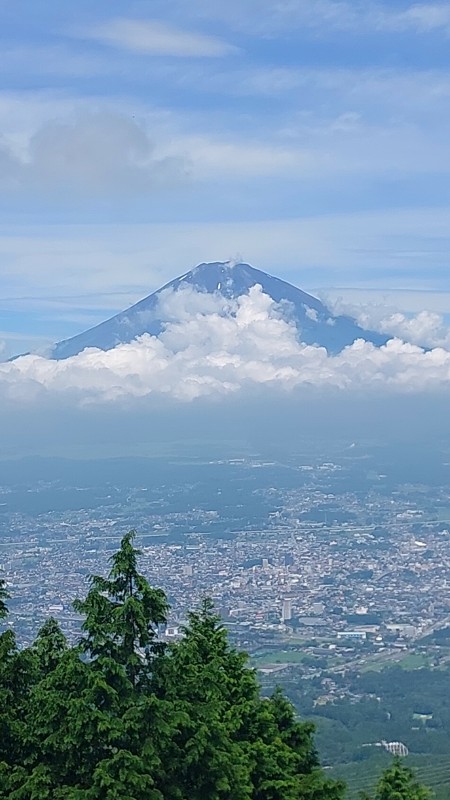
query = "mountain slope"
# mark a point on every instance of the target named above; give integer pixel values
(315, 323)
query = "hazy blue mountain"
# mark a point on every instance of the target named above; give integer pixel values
(315, 323)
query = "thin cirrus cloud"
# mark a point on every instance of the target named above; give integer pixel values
(358, 249)
(323, 17)
(152, 37)
(425, 17)
(419, 17)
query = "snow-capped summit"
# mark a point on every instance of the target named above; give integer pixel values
(315, 323)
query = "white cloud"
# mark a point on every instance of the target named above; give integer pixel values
(426, 328)
(408, 301)
(187, 304)
(311, 313)
(95, 153)
(159, 39)
(209, 354)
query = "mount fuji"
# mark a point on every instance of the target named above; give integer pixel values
(316, 325)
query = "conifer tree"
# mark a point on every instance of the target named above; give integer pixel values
(119, 717)
(49, 646)
(16, 678)
(75, 722)
(7, 694)
(122, 613)
(89, 727)
(205, 680)
(236, 743)
(398, 782)
(4, 596)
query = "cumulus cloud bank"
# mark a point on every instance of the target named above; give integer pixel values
(426, 328)
(211, 354)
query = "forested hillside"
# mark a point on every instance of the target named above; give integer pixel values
(124, 716)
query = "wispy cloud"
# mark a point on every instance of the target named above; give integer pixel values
(423, 17)
(393, 248)
(412, 88)
(229, 157)
(323, 17)
(159, 39)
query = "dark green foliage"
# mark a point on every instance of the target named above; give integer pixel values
(119, 717)
(122, 612)
(3, 597)
(49, 647)
(398, 782)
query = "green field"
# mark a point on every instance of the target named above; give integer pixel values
(414, 661)
(409, 662)
(279, 657)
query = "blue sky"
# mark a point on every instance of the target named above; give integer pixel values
(308, 137)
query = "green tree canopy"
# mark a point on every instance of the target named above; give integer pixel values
(120, 717)
(4, 596)
(122, 613)
(398, 782)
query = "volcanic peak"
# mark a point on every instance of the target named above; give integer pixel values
(315, 323)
